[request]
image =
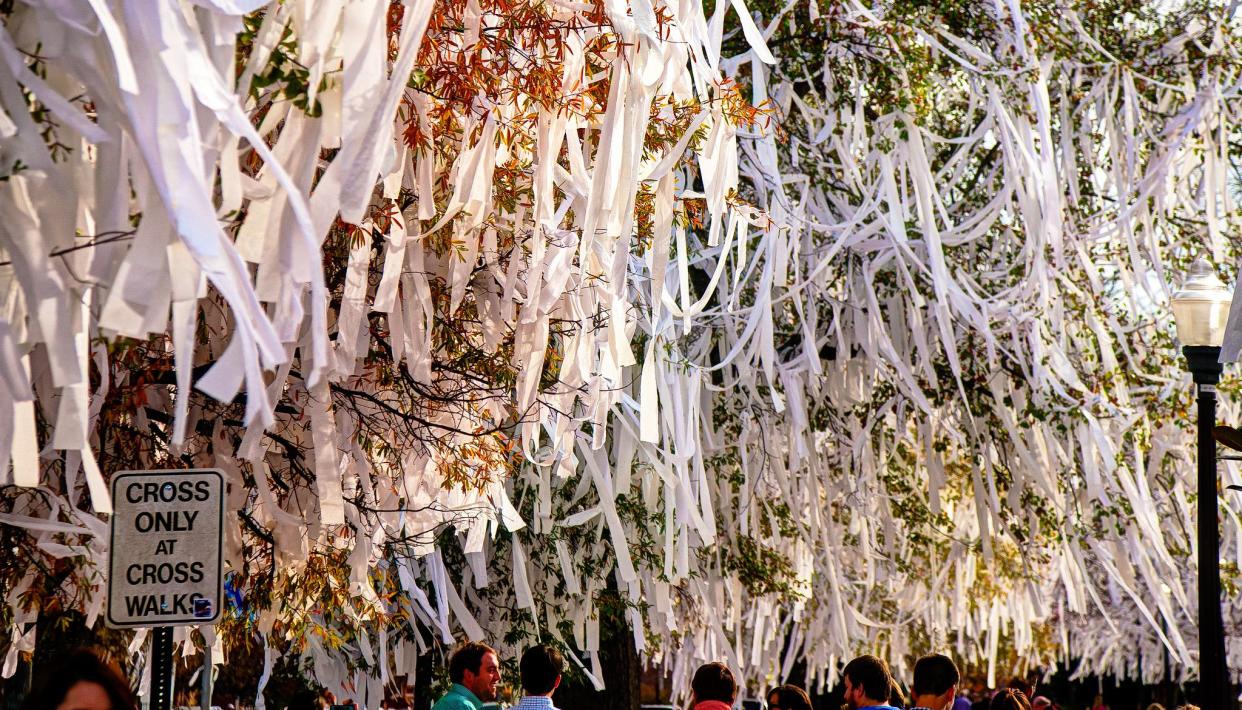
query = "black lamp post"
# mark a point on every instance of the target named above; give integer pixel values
(1201, 308)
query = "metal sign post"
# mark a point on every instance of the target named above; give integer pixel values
(205, 680)
(166, 563)
(161, 668)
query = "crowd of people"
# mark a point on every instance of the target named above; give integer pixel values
(83, 681)
(474, 669)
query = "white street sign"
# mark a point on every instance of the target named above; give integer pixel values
(166, 562)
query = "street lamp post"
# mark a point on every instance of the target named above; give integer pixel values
(1201, 309)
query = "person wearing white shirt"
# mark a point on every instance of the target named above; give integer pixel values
(541, 667)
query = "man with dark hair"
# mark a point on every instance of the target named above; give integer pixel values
(541, 668)
(713, 687)
(475, 671)
(867, 684)
(935, 682)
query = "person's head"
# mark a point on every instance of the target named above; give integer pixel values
(867, 682)
(788, 697)
(1021, 686)
(81, 680)
(1155, 706)
(476, 666)
(1039, 702)
(541, 669)
(935, 681)
(1010, 699)
(714, 681)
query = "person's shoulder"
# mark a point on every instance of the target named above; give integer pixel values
(451, 701)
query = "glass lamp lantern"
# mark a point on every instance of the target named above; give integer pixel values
(1201, 307)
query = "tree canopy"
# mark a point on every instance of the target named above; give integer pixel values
(766, 333)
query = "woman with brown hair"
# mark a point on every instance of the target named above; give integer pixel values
(788, 697)
(1010, 699)
(81, 680)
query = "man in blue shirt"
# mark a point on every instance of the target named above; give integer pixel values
(475, 671)
(867, 684)
(541, 668)
(935, 682)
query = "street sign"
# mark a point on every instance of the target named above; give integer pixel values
(165, 567)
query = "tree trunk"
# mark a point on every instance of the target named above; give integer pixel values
(621, 668)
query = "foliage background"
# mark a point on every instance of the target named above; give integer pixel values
(589, 324)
